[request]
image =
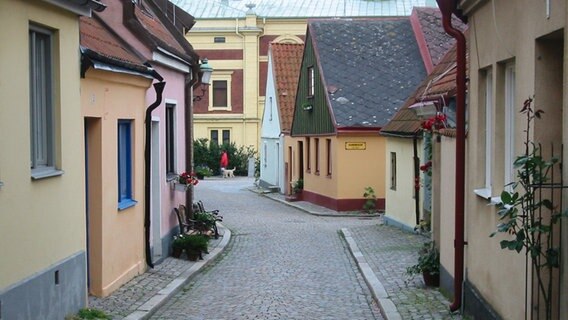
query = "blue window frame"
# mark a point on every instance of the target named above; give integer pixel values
(125, 199)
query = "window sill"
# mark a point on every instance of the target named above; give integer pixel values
(1, 184)
(171, 177)
(485, 193)
(126, 203)
(42, 173)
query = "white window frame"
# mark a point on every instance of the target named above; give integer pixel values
(311, 81)
(42, 103)
(486, 191)
(220, 137)
(510, 113)
(220, 75)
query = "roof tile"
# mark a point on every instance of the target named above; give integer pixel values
(286, 60)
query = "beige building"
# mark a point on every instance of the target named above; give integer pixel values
(42, 183)
(235, 36)
(517, 50)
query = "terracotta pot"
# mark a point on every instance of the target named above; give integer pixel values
(431, 280)
(193, 255)
(176, 252)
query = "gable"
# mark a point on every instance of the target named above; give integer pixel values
(317, 119)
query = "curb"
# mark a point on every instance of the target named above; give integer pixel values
(319, 214)
(159, 299)
(388, 309)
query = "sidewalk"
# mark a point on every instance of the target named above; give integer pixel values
(142, 296)
(383, 253)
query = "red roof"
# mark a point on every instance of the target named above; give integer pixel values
(157, 30)
(94, 35)
(286, 64)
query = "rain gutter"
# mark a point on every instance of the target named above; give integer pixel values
(448, 7)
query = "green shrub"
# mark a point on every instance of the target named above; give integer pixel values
(208, 154)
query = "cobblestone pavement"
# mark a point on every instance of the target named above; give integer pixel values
(389, 251)
(281, 263)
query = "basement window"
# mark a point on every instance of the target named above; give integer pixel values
(219, 39)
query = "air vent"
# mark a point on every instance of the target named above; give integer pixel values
(219, 40)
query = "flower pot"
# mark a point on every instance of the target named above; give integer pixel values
(193, 255)
(176, 252)
(180, 187)
(431, 280)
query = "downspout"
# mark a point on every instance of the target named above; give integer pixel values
(447, 7)
(159, 88)
(188, 110)
(416, 179)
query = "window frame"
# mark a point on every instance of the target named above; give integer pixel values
(509, 124)
(328, 152)
(171, 150)
(308, 155)
(223, 139)
(311, 81)
(43, 158)
(220, 75)
(125, 164)
(216, 140)
(393, 171)
(317, 155)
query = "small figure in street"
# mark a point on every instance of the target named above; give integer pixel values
(224, 160)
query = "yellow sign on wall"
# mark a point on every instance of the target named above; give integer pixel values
(355, 145)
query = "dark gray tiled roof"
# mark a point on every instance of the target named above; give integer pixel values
(370, 67)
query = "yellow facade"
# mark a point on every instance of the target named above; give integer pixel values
(42, 221)
(249, 37)
(116, 238)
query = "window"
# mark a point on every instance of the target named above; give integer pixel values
(328, 151)
(311, 81)
(125, 165)
(488, 129)
(317, 153)
(220, 94)
(215, 136)
(170, 139)
(265, 156)
(225, 135)
(219, 39)
(393, 171)
(270, 108)
(308, 155)
(509, 143)
(220, 91)
(42, 131)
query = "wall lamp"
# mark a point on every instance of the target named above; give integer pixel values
(424, 110)
(205, 71)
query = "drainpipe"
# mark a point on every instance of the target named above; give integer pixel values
(188, 110)
(159, 88)
(447, 7)
(416, 179)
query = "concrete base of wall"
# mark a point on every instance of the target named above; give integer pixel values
(51, 293)
(397, 224)
(475, 306)
(446, 282)
(339, 204)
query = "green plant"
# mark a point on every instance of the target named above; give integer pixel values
(203, 171)
(195, 243)
(428, 260)
(208, 154)
(370, 200)
(297, 186)
(528, 216)
(89, 314)
(205, 221)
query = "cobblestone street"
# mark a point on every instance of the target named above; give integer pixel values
(281, 264)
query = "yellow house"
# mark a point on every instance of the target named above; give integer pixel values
(42, 186)
(344, 97)
(516, 51)
(235, 36)
(113, 102)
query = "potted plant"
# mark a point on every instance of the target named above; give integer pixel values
(195, 245)
(203, 171)
(185, 180)
(428, 264)
(296, 190)
(177, 246)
